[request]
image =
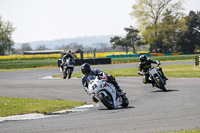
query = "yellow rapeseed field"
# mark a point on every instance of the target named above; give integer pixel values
(57, 56)
(30, 57)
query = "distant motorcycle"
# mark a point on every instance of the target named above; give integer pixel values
(156, 76)
(106, 93)
(68, 68)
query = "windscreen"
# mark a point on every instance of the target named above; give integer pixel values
(91, 77)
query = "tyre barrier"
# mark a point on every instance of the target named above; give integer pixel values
(96, 61)
(138, 55)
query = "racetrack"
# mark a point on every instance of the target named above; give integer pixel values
(150, 110)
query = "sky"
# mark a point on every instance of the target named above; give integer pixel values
(36, 20)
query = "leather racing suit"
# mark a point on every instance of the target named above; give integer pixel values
(143, 69)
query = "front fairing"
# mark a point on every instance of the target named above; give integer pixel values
(97, 86)
(93, 84)
(69, 64)
(155, 73)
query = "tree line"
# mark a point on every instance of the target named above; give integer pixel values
(162, 27)
(100, 47)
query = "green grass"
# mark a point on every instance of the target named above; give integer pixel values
(15, 106)
(185, 70)
(160, 58)
(23, 69)
(186, 131)
(178, 71)
(12, 64)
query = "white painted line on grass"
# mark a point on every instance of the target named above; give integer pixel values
(39, 116)
(23, 117)
(77, 109)
(50, 77)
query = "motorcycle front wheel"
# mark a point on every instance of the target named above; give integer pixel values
(161, 85)
(107, 100)
(125, 101)
(69, 73)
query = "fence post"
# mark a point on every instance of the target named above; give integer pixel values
(197, 60)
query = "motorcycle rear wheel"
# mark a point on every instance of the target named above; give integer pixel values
(107, 101)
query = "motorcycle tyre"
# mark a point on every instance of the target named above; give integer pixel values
(69, 73)
(64, 74)
(105, 103)
(125, 101)
(161, 85)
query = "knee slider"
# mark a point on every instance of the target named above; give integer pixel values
(144, 81)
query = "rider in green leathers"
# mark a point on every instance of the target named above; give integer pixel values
(143, 68)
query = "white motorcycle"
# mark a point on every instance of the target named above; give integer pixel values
(105, 92)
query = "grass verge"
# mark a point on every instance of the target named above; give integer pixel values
(13, 64)
(178, 71)
(160, 58)
(186, 131)
(15, 106)
(24, 69)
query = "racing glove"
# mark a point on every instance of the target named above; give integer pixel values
(86, 90)
(104, 78)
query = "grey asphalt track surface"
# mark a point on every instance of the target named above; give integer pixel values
(150, 110)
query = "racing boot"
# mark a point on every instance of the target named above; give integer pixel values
(165, 78)
(120, 91)
(153, 85)
(95, 100)
(151, 82)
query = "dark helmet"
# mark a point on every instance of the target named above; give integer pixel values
(143, 58)
(69, 52)
(86, 69)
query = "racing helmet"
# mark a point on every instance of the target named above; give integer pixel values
(69, 52)
(143, 58)
(86, 69)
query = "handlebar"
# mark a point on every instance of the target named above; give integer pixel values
(158, 64)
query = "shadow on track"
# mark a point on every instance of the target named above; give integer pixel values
(118, 108)
(163, 91)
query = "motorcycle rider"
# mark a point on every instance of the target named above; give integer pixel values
(144, 65)
(87, 71)
(65, 57)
